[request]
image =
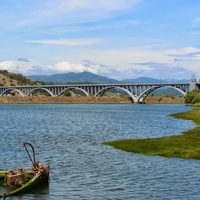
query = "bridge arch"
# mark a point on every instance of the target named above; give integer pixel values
(38, 89)
(179, 90)
(7, 91)
(73, 88)
(142, 97)
(104, 90)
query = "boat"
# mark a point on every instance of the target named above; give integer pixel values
(20, 181)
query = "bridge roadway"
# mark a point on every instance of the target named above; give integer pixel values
(137, 91)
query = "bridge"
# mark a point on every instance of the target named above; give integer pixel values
(137, 91)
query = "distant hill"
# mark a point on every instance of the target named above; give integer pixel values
(12, 79)
(153, 80)
(144, 80)
(166, 91)
(177, 81)
(83, 77)
(87, 77)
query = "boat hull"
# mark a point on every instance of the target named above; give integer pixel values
(32, 179)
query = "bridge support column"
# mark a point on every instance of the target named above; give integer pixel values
(193, 83)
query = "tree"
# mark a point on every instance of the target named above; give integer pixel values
(67, 93)
(196, 99)
(192, 97)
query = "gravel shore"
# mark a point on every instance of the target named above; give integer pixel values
(82, 100)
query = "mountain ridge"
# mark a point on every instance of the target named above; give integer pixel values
(88, 77)
(72, 77)
(9, 78)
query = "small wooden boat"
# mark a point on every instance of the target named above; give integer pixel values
(20, 180)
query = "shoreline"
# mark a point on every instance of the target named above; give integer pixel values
(42, 99)
(186, 145)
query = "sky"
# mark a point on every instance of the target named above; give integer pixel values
(120, 39)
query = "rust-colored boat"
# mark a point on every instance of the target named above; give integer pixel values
(20, 181)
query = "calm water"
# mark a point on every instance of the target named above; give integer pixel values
(69, 138)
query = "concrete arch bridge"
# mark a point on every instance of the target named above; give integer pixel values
(136, 91)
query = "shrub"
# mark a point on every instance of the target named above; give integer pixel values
(67, 93)
(192, 97)
(196, 99)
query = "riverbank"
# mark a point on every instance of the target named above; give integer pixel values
(42, 99)
(186, 145)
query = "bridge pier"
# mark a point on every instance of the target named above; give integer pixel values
(194, 84)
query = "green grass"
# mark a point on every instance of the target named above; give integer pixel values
(186, 145)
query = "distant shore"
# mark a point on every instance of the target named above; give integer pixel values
(41, 99)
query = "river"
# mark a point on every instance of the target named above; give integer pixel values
(69, 138)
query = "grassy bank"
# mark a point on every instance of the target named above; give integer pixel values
(186, 145)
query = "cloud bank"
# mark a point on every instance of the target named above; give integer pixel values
(119, 65)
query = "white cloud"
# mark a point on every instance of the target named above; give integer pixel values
(30, 68)
(59, 11)
(68, 67)
(68, 42)
(118, 64)
(15, 66)
(98, 4)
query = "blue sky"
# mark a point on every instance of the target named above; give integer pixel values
(120, 39)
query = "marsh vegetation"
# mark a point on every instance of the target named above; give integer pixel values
(185, 145)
